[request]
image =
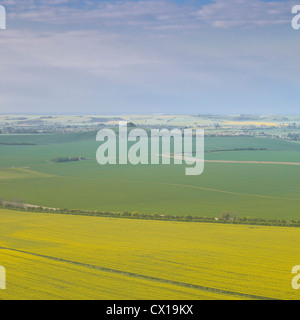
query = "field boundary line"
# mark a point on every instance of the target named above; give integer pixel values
(214, 190)
(136, 275)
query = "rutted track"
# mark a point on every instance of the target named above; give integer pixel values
(231, 161)
(145, 277)
(214, 190)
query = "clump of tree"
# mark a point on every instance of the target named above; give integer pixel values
(293, 136)
(67, 159)
(12, 203)
(237, 149)
(229, 216)
(131, 125)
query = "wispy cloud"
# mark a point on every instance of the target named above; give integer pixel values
(237, 13)
(159, 14)
(146, 55)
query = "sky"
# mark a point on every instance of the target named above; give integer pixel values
(149, 56)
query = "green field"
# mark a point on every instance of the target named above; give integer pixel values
(50, 256)
(266, 191)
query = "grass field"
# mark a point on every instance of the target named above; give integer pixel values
(73, 257)
(253, 190)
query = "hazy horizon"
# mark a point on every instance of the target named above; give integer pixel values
(150, 114)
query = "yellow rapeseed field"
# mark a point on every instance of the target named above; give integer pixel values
(252, 123)
(49, 256)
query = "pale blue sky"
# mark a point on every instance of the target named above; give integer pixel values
(149, 56)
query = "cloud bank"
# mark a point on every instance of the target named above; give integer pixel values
(222, 56)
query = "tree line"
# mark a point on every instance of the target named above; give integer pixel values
(67, 159)
(224, 217)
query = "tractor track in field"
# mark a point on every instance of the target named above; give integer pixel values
(213, 190)
(254, 162)
(231, 161)
(144, 277)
